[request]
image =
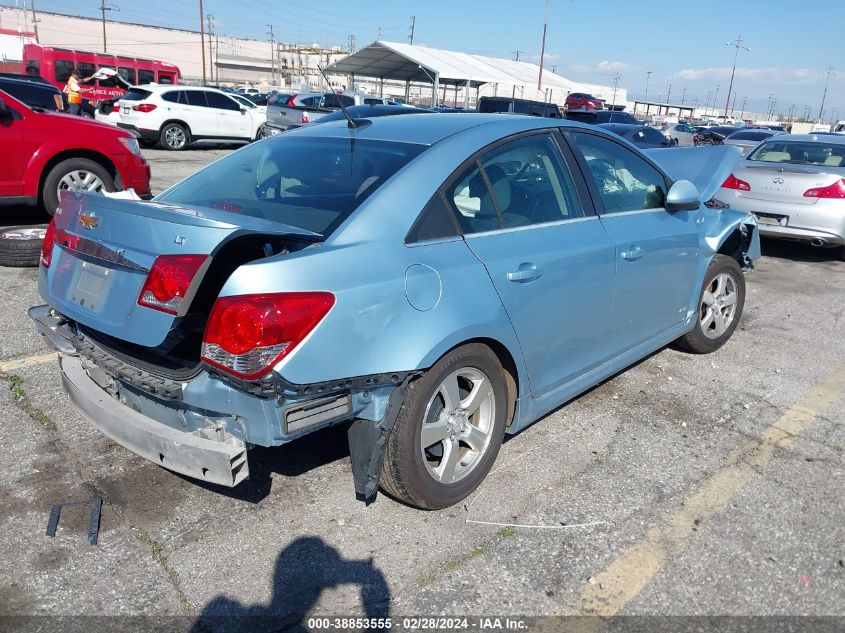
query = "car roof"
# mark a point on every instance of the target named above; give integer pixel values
(428, 130)
(838, 139)
(14, 81)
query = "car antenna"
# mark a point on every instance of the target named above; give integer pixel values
(350, 121)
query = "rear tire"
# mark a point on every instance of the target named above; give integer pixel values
(175, 137)
(472, 428)
(20, 246)
(720, 305)
(83, 172)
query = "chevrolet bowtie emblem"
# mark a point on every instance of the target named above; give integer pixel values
(89, 221)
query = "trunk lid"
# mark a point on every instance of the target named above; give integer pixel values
(705, 167)
(782, 182)
(108, 247)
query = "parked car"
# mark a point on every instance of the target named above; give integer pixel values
(46, 152)
(268, 319)
(582, 101)
(680, 134)
(748, 138)
(839, 127)
(596, 117)
(177, 116)
(715, 135)
(795, 186)
(361, 112)
(518, 106)
(306, 107)
(642, 136)
(35, 93)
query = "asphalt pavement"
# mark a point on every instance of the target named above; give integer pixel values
(686, 485)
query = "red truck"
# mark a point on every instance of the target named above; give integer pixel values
(46, 151)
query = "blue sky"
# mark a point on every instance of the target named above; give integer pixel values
(681, 43)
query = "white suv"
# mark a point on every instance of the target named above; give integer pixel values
(176, 116)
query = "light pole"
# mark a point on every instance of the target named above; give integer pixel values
(737, 45)
(830, 74)
(202, 42)
(543, 47)
(647, 77)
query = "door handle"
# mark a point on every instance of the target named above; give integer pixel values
(525, 273)
(633, 254)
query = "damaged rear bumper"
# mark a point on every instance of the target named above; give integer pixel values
(220, 460)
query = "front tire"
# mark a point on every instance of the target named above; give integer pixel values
(74, 173)
(175, 137)
(448, 431)
(720, 305)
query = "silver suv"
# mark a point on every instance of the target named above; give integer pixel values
(287, 110)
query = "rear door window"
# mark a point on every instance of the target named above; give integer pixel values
(196, 98)
(171, 96)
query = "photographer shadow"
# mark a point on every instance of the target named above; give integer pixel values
(303, 570)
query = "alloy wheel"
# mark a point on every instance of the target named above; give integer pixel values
(718, 305)
(175, 137)
(458, 425)
(80, 180)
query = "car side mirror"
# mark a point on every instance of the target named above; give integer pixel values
(682, 196)
(5, 111)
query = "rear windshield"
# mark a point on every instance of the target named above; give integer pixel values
(33, 94)
(801, 153)
(750, 135)
(310, 183)
(493, 105)
(136, 94)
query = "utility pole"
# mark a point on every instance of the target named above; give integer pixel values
(378, 35)
(543, 46)
(210, 23)
(103, 8)
(272, 53)
(737, 45)
(830, 74)
(683, 95)
(202, 43)
(516, 55)
(806, 113)
(616, 79)
(791, 111)
(647, 77)
(34, 20)
(707, 102)
(352, 43)
(412, 27)
(744, 101)
(669, 94)
(715, 96)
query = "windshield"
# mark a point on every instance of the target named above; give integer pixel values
(310, 183)
(800, 153)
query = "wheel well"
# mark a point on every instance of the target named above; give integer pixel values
(508, 364)
(180, 122)
(736, 245)
(98, 158)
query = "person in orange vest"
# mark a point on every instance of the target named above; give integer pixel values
(74, 92)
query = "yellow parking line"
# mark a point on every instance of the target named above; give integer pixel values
(14, 364)
(631, 572)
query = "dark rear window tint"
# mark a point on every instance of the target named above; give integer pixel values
(435, 222)
(172, 96)
(32, 94)
(310, 183)
(195, 98)
(136, 94)
(750, 136)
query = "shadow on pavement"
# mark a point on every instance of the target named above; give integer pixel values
(799, 252)
(303, 570)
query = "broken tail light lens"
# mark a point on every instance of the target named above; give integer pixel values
(169, 280)
(735, 183)
(247, 335)
(836, 191)
(47, 245)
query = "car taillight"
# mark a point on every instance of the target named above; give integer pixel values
(169, 280)
(735, 183)
(144, 107)
(290, 101)
(247, 335)
(835, 191)
(304, 118)
(47, 245)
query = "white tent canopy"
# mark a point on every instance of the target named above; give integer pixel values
(394, 60)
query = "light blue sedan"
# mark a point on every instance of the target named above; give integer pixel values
(436, 281)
